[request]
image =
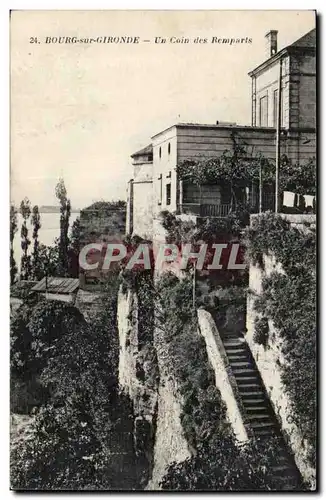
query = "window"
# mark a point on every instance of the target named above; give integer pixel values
(275, 108)
(160, 152)
(150, 157)
(168, 194)
(169, 148)
(263, 117)
(160, 190)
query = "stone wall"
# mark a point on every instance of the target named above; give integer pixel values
(269, 361)
(223, 373)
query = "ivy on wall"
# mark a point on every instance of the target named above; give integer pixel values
(239, 169)
(288, 298)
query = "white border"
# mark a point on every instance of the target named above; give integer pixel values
(4, 198)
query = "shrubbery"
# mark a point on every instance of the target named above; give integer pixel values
(289, 299)
(84, 426)
(203, 414)
(228, 466)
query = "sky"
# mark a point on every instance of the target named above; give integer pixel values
(78, 111)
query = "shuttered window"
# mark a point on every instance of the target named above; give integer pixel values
(263, 117)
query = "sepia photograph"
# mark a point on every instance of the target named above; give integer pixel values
(163, 296)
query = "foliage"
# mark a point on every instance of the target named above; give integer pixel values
(75, 236)
(25, 267)
(235, 166)
(20, 343)
(70, 447)
(65, 210)
(210, 231)
(36, 260)
(289, 299)
(82, 435)
(13, 231)
(228, 466)
(48, 260)
(203, 415)
(26, 394)
(51, 324)
(239, 169)
(261, 332)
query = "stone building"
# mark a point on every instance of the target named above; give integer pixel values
(155, 186)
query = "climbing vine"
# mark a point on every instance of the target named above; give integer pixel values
(239, 169)
(288, 298)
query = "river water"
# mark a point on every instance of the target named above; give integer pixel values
(49, 230)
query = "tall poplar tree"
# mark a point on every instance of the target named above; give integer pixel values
(25, 267)
(37, 267)
(65, 210)
(13, 231)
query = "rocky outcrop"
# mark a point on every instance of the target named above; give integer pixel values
(144, 376)
(138, 377)
(170, 442)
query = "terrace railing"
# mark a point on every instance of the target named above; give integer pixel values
(211, 210)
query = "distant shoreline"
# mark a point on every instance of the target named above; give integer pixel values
(44, 209)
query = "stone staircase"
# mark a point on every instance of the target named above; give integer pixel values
(258, 414)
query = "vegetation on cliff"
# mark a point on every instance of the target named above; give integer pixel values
(288, 299)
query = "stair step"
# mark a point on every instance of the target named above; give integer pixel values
(256, 408)
(247, 378)
(229, 344)
(237, 363)
(260, 416)
(261, 425)
(240, 371)
(255, 393)
(251, 401)
(253, 386)
(237, 357)
(234, 351)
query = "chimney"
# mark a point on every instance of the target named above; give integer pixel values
(271, 43)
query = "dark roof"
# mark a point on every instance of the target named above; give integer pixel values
(57, 285)
(307, 42)
(145, 151)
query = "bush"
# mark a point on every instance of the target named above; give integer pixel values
(261, 333)
(203, 414)
(228, 466)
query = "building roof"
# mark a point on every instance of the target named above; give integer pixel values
(221, 125)
(307, 42)
(57, 285)
(145, 151)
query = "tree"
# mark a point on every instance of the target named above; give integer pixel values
(25, 268)
(36, 260)
(83, 434)
(228, 466)
(13, 231)
(65, 210)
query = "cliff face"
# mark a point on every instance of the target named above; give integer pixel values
(138, 377)
(143, 375)
(170, 442)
